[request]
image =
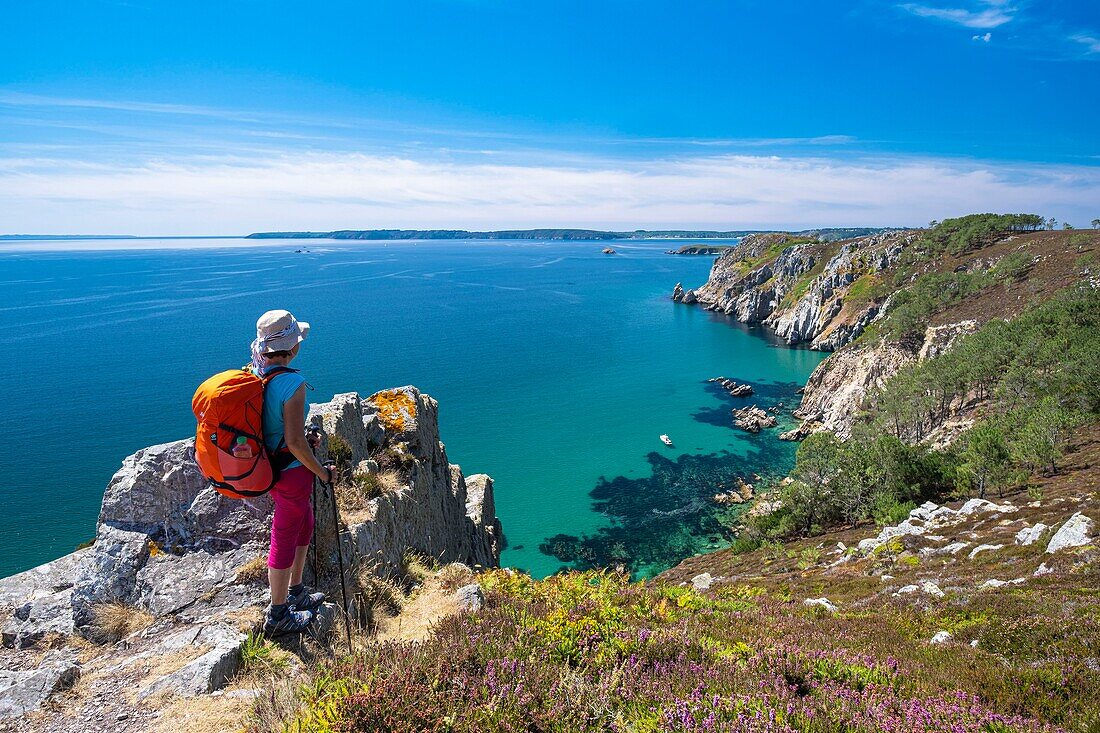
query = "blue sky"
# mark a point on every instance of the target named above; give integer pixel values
(175, 118)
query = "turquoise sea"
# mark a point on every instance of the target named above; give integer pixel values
(556, 368)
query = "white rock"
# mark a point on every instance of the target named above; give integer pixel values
(982, 548)
(702, 581)
(1030, 535)
(906, 589)
(885, 578)
(1042, 570)
(974, 643)
(931, 589)
(941, 637)
(823, 602)
(984, 505)
(1077, 531)
(992, 583)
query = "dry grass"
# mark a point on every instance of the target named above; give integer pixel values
(206, 713)
(277, 703)
(115, 621)
(253, 571)
(433, 600)
(354, 496)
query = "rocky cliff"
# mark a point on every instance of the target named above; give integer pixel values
(827, 294)
(183, 565)
(806, 291)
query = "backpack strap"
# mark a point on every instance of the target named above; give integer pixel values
(281, 454)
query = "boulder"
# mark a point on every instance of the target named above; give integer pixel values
(940, 637)
(1030, 535)
(931, 589)
(982, 505)
(1076, 532)
(109, 572)
(35, 619)
(24, 691)
(702, 581)
(980, 549)
(470, 597)
(822, 602)
(209, 671)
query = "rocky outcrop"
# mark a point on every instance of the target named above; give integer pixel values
(753, 419)
(733, 388)
(835, 390)
(799, 287)
(170, 547)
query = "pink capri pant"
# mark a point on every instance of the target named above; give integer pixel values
(292, 526)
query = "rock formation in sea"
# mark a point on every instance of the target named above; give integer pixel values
(171, 550)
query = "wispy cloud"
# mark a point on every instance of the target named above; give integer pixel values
(985, 37)
(988, 14)
(219, 194)
(1090, 42)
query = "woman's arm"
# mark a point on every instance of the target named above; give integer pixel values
(294, 434)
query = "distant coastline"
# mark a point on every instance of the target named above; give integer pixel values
(555, 234)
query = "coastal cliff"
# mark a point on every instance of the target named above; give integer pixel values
(884, 302)
(805, 290)
(180, 568)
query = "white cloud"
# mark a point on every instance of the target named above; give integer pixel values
(1091, 43)
(989, 14)
(322, 191)
(984, 38)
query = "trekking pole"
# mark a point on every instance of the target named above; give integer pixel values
(339, 546)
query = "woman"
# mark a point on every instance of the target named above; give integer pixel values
(278, 338)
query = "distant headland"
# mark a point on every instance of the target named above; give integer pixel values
(558, 234)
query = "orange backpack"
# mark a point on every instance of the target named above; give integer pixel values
(230, 405)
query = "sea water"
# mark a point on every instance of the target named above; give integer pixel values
(556, 367)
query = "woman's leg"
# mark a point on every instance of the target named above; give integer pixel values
(292, 512)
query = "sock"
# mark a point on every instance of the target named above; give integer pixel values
(277, 612)
(297, 588)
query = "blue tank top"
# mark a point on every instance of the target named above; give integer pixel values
(278, 391)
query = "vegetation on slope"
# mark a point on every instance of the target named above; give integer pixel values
(593, 652)
(1030, 381)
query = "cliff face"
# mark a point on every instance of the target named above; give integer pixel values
(174, 551)
(827, 294)
(804, 290)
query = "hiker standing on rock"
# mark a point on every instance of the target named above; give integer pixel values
(278, 338)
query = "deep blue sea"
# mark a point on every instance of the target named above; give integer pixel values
(556, 368)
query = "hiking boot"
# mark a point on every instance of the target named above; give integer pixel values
(290, 622)
(305, 600)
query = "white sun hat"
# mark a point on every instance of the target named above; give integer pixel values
(279, 330)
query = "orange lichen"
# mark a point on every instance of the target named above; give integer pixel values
(395, 409)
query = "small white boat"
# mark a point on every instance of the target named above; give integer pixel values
(666, 440)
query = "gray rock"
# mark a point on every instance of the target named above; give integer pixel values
(1030, 535)
(931, 589)
(702, 581)
(940, 637)
(752, 419)
(983, 505)
(823, 602)
(208, 672)
(109, 572)
(24, 691)
(1076, 532)
(980, 549)
(470, 597)
(50, 614)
